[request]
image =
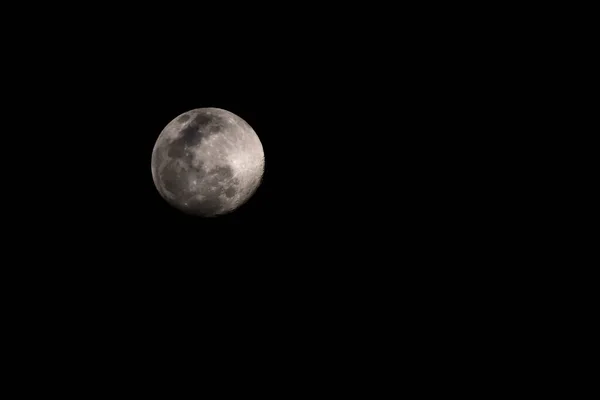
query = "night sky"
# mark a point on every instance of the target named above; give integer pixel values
(362, 146)
(379, 186)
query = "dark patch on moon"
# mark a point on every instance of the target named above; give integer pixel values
(171, 178)
(188, 157)
(201, 120)
(176, 149)
(208, 206)
(217, 125)
(183, 118)
(190, 135)
(200, 128)
(230, 192)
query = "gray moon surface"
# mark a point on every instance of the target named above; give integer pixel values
(207, 162)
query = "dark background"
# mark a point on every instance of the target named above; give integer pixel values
(383, 199)
(373, 142)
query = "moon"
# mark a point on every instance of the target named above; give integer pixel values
(207, 162)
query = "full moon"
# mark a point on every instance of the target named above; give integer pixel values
(207, 162)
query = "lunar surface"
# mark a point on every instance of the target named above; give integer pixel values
(207, 162)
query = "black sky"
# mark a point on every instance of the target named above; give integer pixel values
(357, 131)
(391, 220)
(376, 137)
